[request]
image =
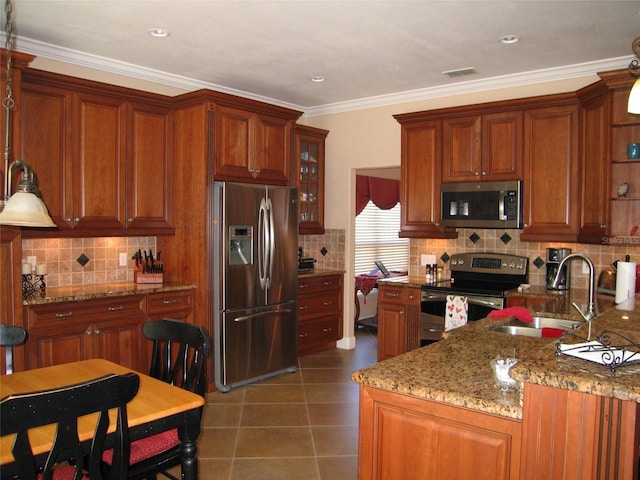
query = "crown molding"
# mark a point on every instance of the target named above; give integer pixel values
(82, 59)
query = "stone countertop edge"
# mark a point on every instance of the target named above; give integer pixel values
(457, 370)
(103, 290)
(318, 272)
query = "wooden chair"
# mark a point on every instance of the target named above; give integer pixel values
(178, 357)
(11, 336)
(62, 407)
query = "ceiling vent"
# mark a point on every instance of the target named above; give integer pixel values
(460, 72)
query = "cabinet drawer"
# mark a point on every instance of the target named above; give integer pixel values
(91, 310)
(170, 301)
(393, 294)
(321, 283)
(318, 305)
(319, 330)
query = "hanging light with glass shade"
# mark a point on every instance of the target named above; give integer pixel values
(634, 68)
(24, 208)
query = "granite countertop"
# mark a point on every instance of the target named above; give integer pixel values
(103, 290)
(457, 370)
(318, 272)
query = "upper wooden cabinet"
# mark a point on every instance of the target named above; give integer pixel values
(551, 172)
(482, 147)
(595, 173)
(421, 175)
(309, 173)
(250, 146)
(102, 156)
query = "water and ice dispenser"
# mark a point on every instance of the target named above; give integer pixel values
(240, 245)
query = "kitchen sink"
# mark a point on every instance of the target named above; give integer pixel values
(539, 327)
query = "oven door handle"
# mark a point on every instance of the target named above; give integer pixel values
(486, 302)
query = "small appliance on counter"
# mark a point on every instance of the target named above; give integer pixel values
(304, 264)
(554, 257)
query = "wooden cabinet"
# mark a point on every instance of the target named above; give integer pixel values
(109, 328)
(482, 147)
(551, 173)
(593, 437)
(10, 291)
(398, 320)
(420, 178)
(594, 172)
(319, 312)
(403, 437)
(177, 305)
(250, 146)
(102, 155)
(309, 171)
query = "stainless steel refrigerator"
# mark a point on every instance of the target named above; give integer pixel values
(255, 282)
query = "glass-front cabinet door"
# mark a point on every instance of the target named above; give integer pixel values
(310, 173)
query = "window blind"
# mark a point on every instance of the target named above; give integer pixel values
(376, 238)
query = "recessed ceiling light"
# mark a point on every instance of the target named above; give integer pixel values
(158, 32)
(509, 39)
(317, 79)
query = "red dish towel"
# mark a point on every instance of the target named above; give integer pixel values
(521, 313)
(551, 332)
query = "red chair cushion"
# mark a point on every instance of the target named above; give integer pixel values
(147, 447)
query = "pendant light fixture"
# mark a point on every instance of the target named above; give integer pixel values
(634, 69)
(24, 208)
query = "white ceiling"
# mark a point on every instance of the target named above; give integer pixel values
(368, 51)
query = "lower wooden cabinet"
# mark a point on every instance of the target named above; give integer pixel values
(109, 328)
(568, 435)
(398, 320)
(408, 438)
(319, 312)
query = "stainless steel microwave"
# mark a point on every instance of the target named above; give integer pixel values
(482, 204)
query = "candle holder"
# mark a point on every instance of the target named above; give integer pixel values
(33, 285)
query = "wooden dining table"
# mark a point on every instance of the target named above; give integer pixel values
(157, 407)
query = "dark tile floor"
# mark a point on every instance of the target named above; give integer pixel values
(302, 425)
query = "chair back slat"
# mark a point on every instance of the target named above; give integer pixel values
(178, 353)
(62, 407)
(10, 336)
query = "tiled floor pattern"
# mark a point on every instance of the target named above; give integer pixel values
(301, 426)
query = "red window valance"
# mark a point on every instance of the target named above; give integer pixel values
(383, 192)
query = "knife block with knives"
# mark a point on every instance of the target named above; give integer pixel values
(148, 269)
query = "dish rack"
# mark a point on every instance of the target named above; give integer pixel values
(611, 349)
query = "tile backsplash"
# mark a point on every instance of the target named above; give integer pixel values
(490, 240)
(331, 243)
(61, 255)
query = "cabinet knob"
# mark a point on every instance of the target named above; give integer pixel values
(303, 307)
(476, 173)
(129, 220)
(115, 309)
(64, 314)
(401, 312)
(411, 297)
(302, 335)
(77, 219)
(89, 332)
(326, 304)
(170, 301)
(484, 173)
(327, 329)
(97, 332)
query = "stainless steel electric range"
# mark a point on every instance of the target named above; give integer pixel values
(484, 278)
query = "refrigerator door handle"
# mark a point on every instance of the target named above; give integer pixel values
(271, 240)
(262, 244)
(244, 318)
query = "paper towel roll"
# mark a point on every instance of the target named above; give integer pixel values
(625, 281)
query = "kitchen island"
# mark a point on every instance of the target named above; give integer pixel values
(434, 412)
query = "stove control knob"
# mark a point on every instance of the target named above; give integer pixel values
(512, 265)
(454, 262)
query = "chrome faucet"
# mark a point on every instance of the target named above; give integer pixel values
(591, 307)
